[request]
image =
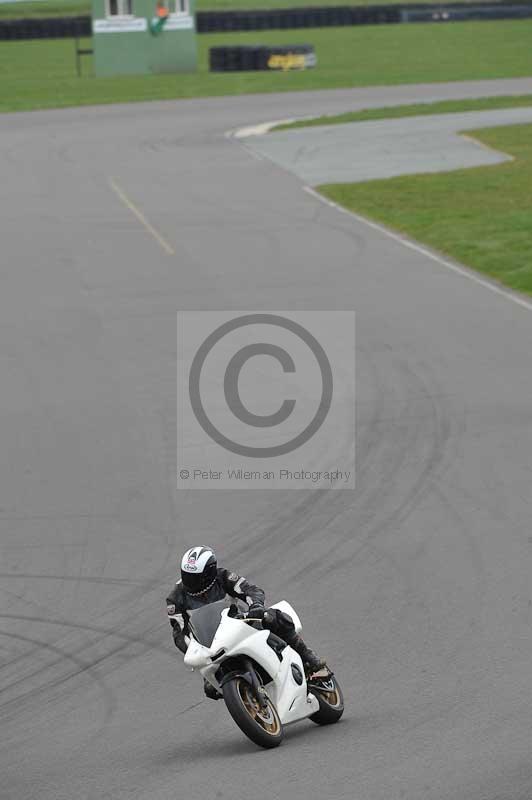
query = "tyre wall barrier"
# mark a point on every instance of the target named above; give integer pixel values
(259, 57)
(337, 16)
(462, 14)
(45, 28)
(285, 18)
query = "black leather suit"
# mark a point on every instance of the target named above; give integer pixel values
(226, 583)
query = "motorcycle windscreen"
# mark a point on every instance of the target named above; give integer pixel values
(204, 621)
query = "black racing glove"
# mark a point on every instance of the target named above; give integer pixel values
(179, 638)
(256, 611)
(269, 617)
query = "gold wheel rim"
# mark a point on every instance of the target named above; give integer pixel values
(330, 695)
(268, 720)
(332, 698)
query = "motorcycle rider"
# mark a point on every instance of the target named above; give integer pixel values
(203, 582)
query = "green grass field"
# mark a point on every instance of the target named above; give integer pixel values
(45, 8)
(41, 74)
(61, 8)
(482, 216)
(415, 110)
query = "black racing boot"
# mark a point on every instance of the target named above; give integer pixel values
(311, 661)
(210, 691)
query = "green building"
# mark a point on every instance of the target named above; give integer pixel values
(143, 36)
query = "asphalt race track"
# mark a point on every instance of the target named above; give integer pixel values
(416, 585)
(365, 151)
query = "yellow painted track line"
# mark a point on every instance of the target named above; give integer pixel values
(140, 216)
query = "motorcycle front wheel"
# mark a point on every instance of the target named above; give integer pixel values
(261, 725)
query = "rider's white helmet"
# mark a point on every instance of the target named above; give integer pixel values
(199, 569)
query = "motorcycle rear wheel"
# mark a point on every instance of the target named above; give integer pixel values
(262, 725)
(330, 697)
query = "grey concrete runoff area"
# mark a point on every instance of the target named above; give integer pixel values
(361, 151)
(416, 585)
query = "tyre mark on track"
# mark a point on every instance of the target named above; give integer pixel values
(127, 640)
(76, 578)
(81, 667)
(433, 462)
(138, 590)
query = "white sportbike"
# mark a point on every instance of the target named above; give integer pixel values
(261, 678)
